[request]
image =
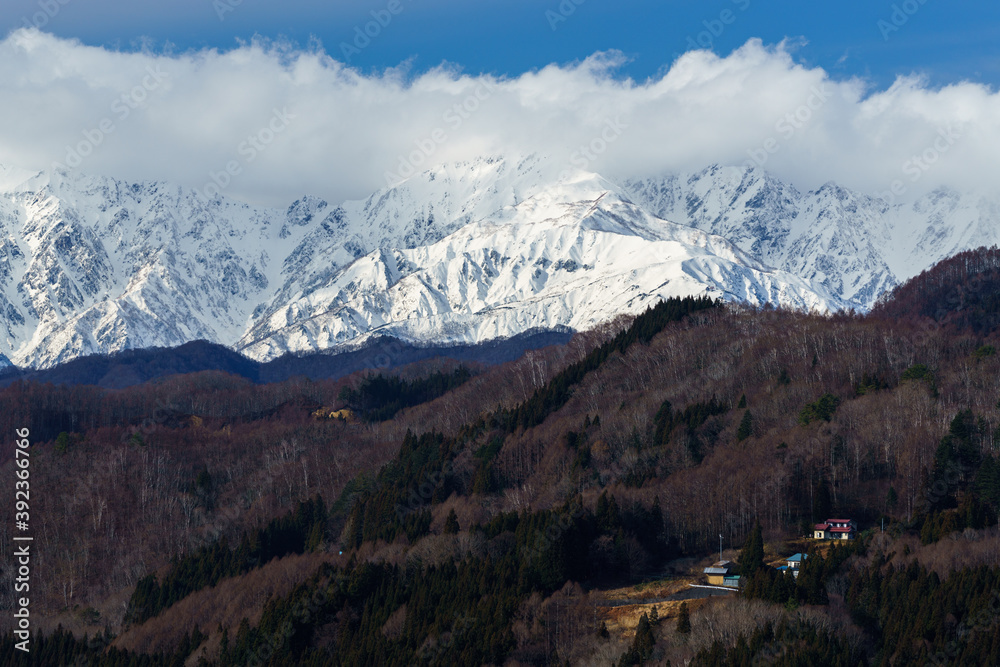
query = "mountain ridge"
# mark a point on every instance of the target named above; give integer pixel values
(129, 368)
(459, 254)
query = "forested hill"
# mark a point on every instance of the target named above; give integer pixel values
(962, 292)
(133, 367)
(487, 518)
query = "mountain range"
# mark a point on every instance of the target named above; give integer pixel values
(460, 254)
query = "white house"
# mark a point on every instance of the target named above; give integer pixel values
(835, 529)
(794, 563)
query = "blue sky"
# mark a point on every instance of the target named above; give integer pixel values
(896, 96)
(945, 41)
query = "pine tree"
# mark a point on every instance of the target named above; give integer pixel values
(315, 537)
(657, 516)
(451, 526)
(607, 514)
(752, 555)
(743, 402)
(355, 530)
(745, 429)
(654, 615)
(684, 620)
(644, 640)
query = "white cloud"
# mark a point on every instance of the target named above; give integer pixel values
(343, 131)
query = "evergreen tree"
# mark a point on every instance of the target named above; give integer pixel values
(745, 429)
(684, 620)
(823, 408)
(987, 482)
(315, 538)
(656, 517)
(451, 523)
(607, 514)
(642, 645)
(752, 554)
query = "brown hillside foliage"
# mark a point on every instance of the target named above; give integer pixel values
(962, 292)
(225, 605)
(121, 499)
(875, 439)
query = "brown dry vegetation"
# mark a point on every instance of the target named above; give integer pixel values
(223, 606)
(95, 507)
(96, 503)
(882, 438)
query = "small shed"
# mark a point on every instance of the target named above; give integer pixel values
(717, 573)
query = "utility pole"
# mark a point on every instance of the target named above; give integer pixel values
(720, 547)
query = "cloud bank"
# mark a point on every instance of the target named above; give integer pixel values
(268, 123)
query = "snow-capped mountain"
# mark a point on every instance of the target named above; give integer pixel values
(461, 253)
(572, 255)
(854, 246)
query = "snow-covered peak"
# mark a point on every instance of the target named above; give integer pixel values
(550, 261)
(13, 178)
(466, 251)
(853, 245)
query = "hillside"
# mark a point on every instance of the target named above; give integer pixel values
(132, 367)
(481, 527)
(962, 292)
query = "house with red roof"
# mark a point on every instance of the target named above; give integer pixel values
(835, 529)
